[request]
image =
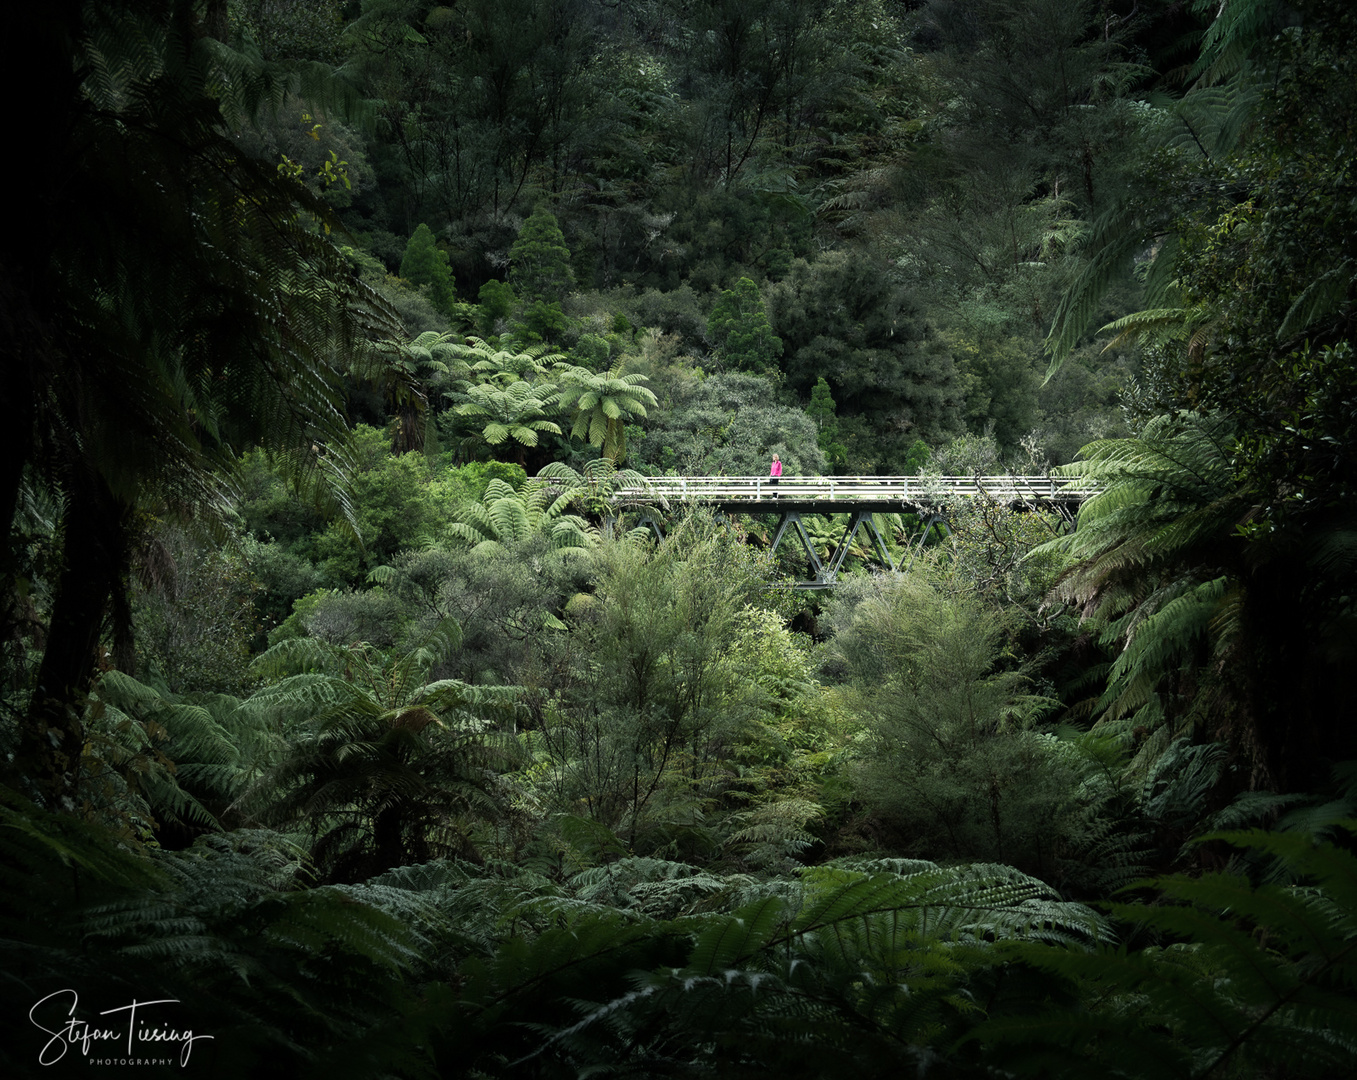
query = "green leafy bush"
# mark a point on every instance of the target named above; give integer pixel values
(952, 760)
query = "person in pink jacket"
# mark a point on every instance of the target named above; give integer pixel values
(775, 472)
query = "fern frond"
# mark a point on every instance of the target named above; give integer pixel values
(1116, 236)
(1156, 325)
(1261, 977)
(1322, 297)
(732, 940)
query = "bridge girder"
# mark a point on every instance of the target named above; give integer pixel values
(861, 497)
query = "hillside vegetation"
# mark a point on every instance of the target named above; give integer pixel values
(350, 729)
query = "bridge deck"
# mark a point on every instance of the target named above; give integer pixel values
(831, 494)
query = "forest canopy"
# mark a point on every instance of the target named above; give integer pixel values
(352, 717)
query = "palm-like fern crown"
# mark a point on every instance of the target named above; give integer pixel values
(598, 484)
(516, 411)
(1162, 500)
(405, 366)
(385, 764)
(505, 516)
(602, 404)
(502, 366)
(188, 303)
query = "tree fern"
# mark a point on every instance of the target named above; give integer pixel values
(505, 516)
(1158, 568)
(601, 404)
(503, 367)
(517, 411)
(601, 487)
(384, 764)
(211, 314)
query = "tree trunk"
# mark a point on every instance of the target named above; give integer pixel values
(20, 348)
(53, 736)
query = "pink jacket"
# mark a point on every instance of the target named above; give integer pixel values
(776, 470)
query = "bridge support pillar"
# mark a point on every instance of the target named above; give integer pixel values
(651, 522)
(929, 522)
(792, 518)
(863, 519)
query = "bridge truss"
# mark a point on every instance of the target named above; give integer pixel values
(861, 497)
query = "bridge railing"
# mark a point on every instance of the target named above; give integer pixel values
(918, 489)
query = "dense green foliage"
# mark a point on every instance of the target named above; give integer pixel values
(424, 264)
(350, 715)
(740, 327)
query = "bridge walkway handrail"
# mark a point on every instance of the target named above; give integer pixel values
(847, 489)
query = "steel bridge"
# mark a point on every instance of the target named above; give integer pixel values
(928, 497)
